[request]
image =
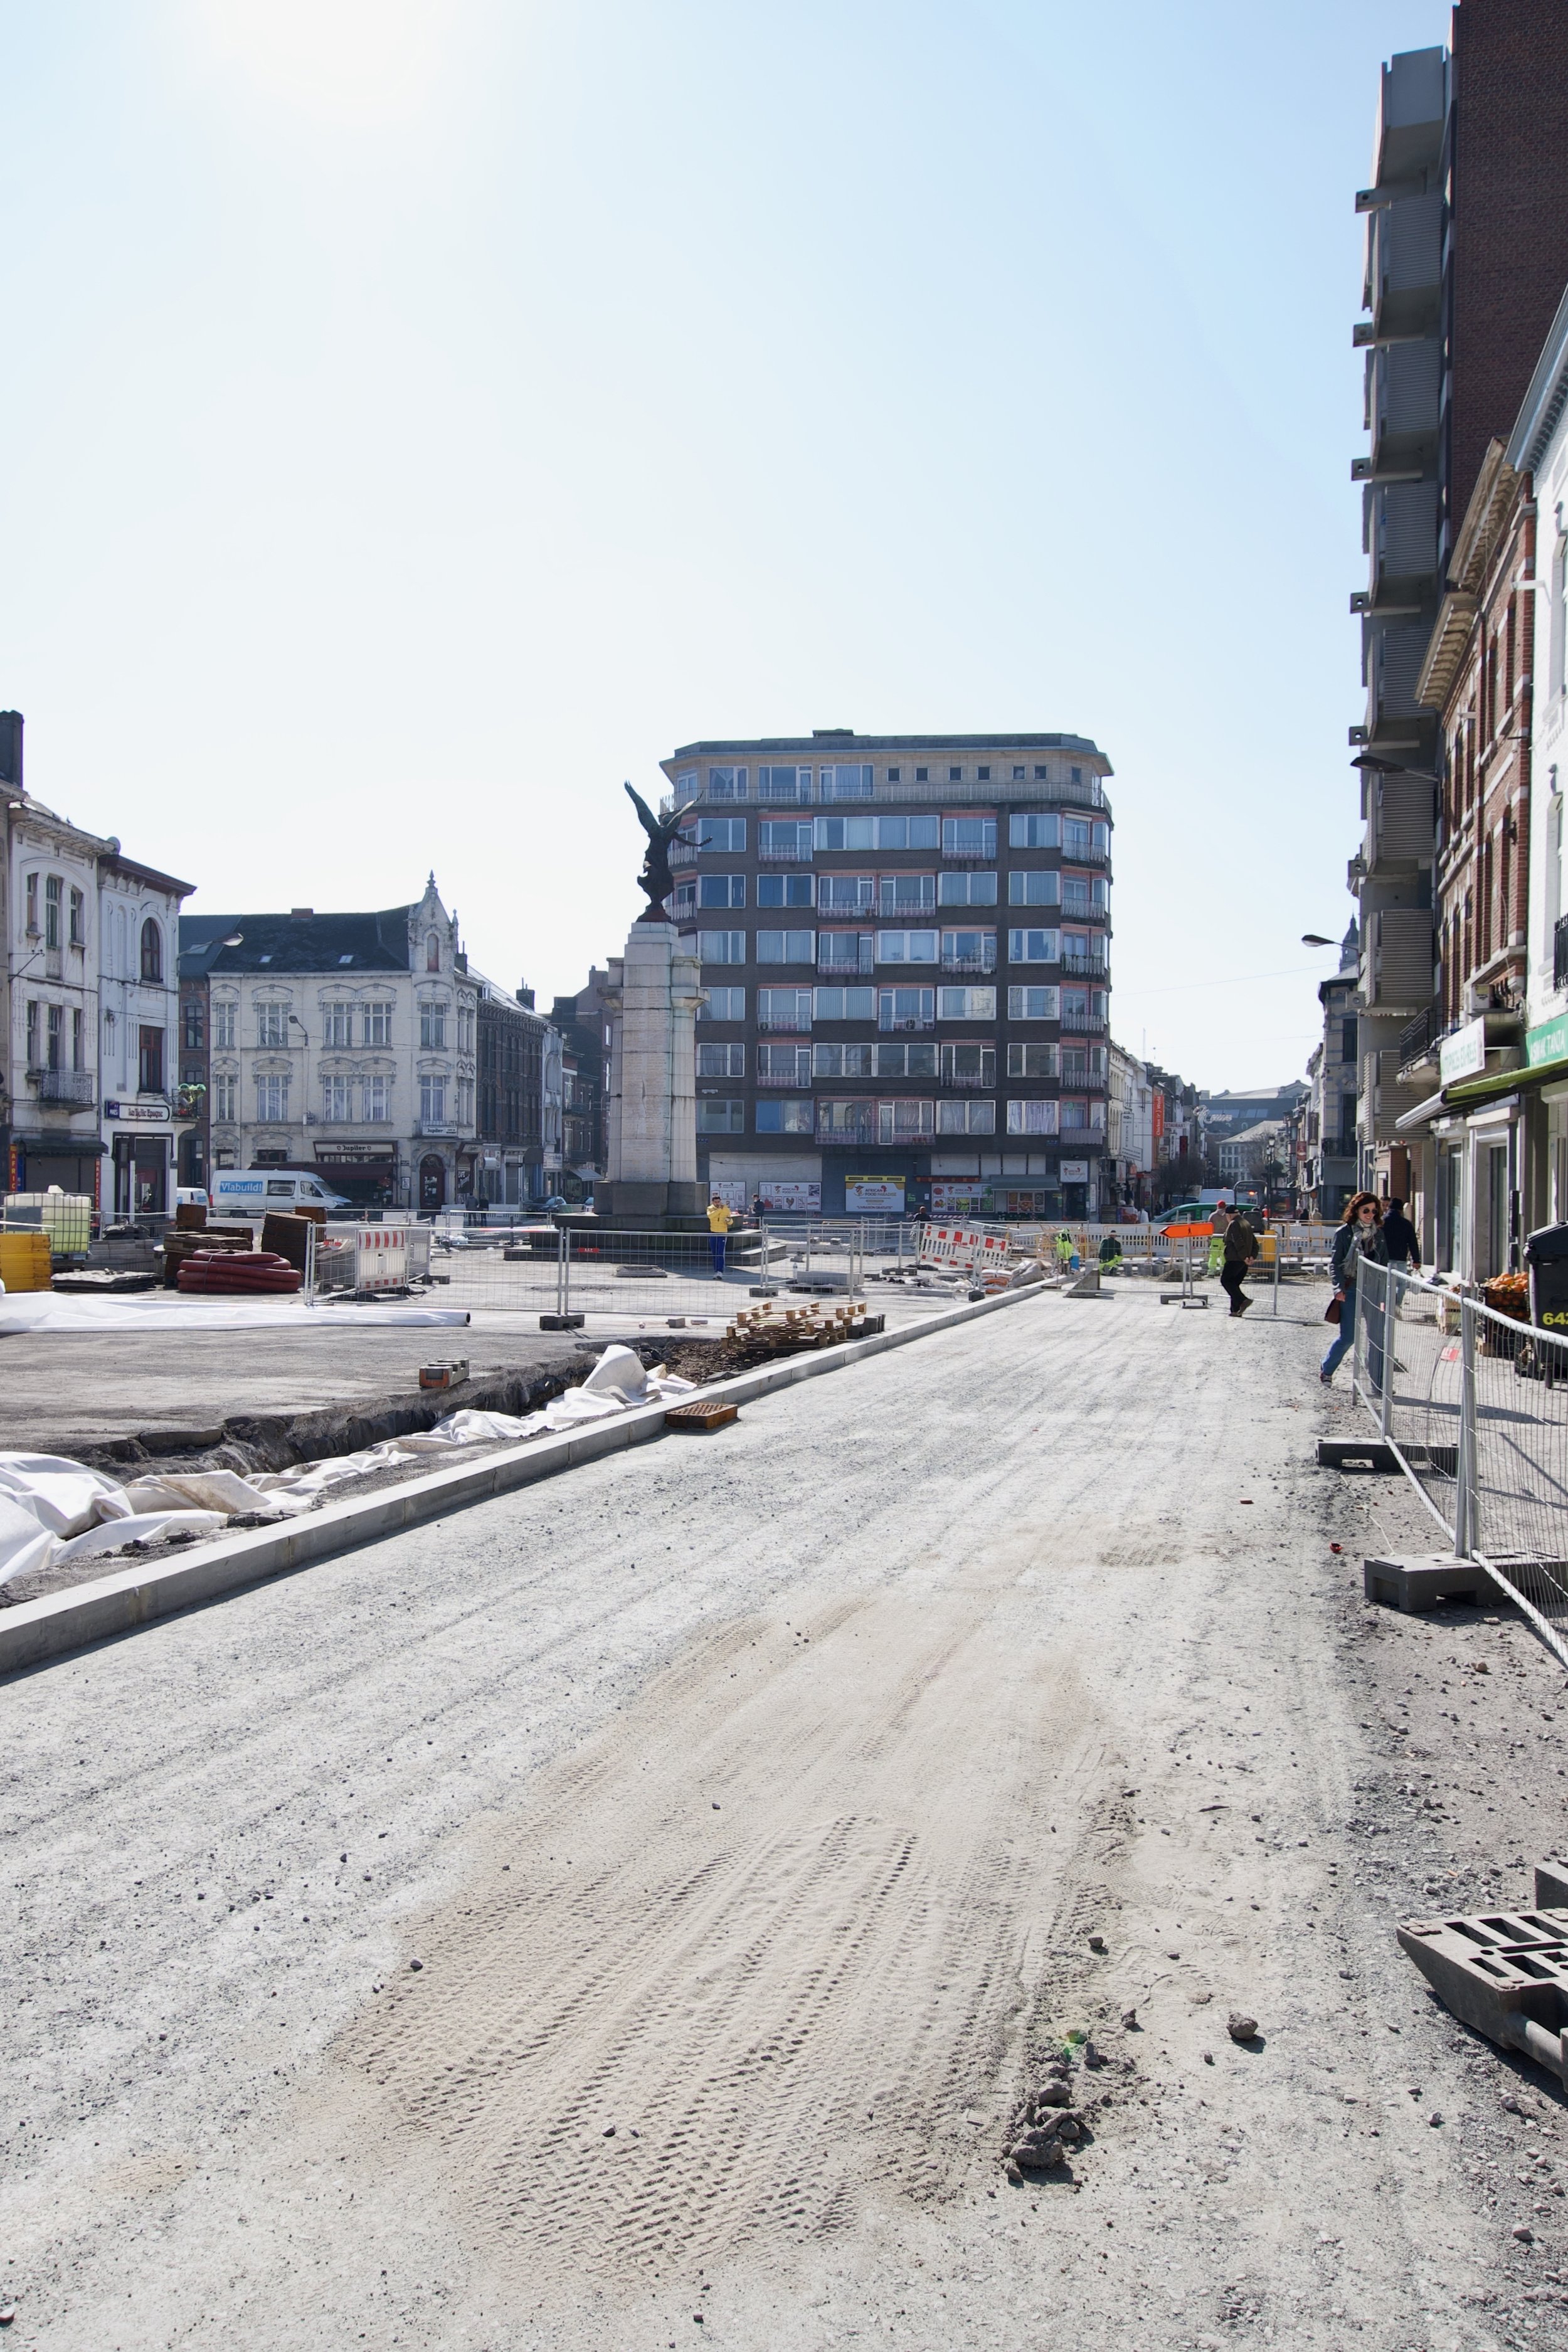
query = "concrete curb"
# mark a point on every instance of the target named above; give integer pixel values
(37, 1630)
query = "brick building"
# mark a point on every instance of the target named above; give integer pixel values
(904, 945)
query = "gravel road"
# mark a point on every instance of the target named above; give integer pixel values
(632, 1907)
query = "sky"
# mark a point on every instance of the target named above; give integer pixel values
(419, 416)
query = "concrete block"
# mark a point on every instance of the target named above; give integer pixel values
(1336, 1452)
(1551, 1886)
(1413, 1584)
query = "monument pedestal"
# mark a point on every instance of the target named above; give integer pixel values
(654, 993)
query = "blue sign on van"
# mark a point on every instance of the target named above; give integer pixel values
(239, 1184)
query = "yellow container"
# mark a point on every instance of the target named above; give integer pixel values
(24, 1261)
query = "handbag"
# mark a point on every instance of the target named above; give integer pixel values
(1333, 1310)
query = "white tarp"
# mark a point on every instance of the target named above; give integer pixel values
(52, 1509)
(52, 1311)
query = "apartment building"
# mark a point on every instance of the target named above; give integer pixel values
(515, 1163)
(905, 956)
(1466, 258)
(1328, 1161)
(341, 1043)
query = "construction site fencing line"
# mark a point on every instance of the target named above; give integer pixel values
(1474, 1406)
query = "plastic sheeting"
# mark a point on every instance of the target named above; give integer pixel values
(53, 1510)
(53, 1312)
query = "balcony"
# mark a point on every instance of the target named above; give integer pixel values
(1037, 793)
(847, 967)
(783, 1077)
(888, 1026)
(787, 1024)
(778, 795)
(1085, 967)
(974, 855)
(1084, 1025)
(1084, 911)
(1418, 1036)
(863, 1133)
(984, 960)
(679, 855)
(975, 1080)
(63, 1086)
(783, 857)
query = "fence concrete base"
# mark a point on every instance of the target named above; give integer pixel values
(37, 1630)
(1337, 1452)
(1414, 1584)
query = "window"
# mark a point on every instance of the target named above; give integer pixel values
(781, 837)
(1076, 893)
(906, 894)
(1076, 775)
(906, 1008)
(223, 1098)
(1034, 886)
(464, 1025)
(272, 1101)
(969, 951)
(1082, 1116)
(728, 783)
(907, 947)
(916, 1059)
(723, 1004)
(969, 1066)
(966, 1118)
(377, 1028)
(783, 1065)
(271, 1025)
(192, 1026)
(983, 775)
(922, 775)
(787, 1114)
(432, 953)
(336, 1102)
(721, 890)
(717, 1117)
(337, 1025)
(967, 890)
(781, 890)
(1032, 1003)
(1078, 949)
(1033, 1061)
(1034, 947)
(1018, 775)
(966, 1004)
(907, 832)
(846, 783)
(432, 1102)
(1035, 829)
(846, 1004)
(432, 1027)
(905, 1122)
(894, 775)
(721, 833)
(955, 775)
(969, 836)
(845, 1061)
(32, 906)
(1348, 1038)
(152, 952)
(784, 783)
(465, 1102)
(52, 888)
(52, 1051)
(78, 1058)
(845, 833)
(1034, 1115)
(784, 1008)
(33, 1033)
(721, 946)
(786, 947)
(224, 1014)
(844, 951)
(847, 1122)
(722, 1061)
(843, 893)
(687, 782)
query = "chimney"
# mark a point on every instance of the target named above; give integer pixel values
(11, 748)
(301, 913)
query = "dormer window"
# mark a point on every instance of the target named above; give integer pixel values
(433, 953)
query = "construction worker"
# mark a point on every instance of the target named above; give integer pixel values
(721, 1217)
(1064, 1252)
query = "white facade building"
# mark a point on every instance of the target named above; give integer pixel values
(342, 1042)
(88, 1015)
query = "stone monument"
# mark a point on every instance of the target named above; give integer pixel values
(653, 993)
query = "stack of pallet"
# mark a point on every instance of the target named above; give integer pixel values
(785, 1329)
(187, 1242)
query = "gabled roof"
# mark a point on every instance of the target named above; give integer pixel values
(377, 941)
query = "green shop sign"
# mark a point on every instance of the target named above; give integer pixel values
(1549, 1043)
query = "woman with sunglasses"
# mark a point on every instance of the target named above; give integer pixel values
(1360, 1235)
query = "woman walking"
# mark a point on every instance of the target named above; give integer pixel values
(1359, 1236)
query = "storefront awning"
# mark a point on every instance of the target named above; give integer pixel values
(1474, 1094)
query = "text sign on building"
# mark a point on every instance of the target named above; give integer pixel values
(1075, 1171)
(143, 1113)
(1549, 1043)
(1464, 1055)
(875, 1195)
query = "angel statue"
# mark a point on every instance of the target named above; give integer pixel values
(656, 877)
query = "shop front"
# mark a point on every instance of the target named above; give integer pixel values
(73, 1162)
(141, 1136)
(364, 1174)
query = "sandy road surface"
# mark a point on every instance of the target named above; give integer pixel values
(749, 1805)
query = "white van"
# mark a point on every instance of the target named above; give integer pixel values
(251, 1191)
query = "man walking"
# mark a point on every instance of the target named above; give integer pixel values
(721, 1217)
(1240, 1249)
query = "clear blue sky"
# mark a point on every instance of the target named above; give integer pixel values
(419, 417)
